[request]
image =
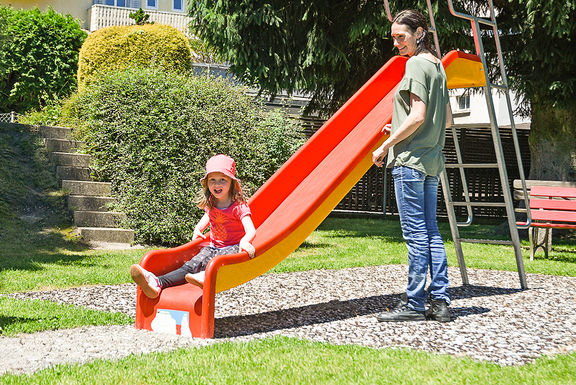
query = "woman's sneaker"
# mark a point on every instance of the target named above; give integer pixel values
(438, 311)
(148, 282)
(196, 279)
(400, 313)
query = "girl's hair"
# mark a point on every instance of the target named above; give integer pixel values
(205, 199)
(414, 19)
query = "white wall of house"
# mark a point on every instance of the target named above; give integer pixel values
(471, 108)
(95, 14)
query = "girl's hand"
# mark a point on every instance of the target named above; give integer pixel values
(387, 129)
(247, 247)
(198, 234)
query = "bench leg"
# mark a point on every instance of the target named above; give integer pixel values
(540, 238)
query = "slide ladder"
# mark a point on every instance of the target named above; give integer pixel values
(500, 163)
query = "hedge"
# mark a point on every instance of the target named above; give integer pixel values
(150, 133)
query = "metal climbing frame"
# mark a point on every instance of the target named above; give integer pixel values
(500, 160)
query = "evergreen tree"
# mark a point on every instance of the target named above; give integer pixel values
(329, 48)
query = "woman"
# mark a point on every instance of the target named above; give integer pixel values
(414, 149)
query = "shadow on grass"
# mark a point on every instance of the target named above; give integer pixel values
(236, 326)
(25, 247)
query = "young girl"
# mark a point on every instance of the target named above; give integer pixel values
(230, 222)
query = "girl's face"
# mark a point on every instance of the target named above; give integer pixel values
(404, 39)
(219, 185)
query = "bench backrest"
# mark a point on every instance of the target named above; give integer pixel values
(553, 204)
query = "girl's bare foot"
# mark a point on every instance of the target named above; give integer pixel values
(196, 279)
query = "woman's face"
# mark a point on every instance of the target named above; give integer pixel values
(404, 39)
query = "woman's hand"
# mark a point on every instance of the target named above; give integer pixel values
(380, 153)
(247, 247)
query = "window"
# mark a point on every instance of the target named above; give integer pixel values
(152, 4)
(463, 102)
(178, 5)
(114, 3)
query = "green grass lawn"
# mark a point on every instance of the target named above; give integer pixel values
(49, 259)
(17, 316)
(283, 360)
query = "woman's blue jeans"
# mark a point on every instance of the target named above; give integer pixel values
(416, 197)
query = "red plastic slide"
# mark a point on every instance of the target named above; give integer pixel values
(288, 207)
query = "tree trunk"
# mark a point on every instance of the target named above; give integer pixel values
(553, 141)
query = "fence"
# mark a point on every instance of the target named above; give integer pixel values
(101, 16)
(374, 193)
(8, 117)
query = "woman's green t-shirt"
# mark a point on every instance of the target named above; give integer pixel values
(423, 149)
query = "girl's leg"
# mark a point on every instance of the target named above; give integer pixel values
(438, 262)
(198, 277)
(176, 277)
(409, 189)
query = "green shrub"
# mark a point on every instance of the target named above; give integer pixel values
(121, 47)
(49, 115)
(38, 57)
(151, 132)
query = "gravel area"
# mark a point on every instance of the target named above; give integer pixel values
(493, 319)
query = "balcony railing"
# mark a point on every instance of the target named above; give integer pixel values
(101, 16)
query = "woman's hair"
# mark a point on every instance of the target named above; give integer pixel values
(205, 199)
(414, 19)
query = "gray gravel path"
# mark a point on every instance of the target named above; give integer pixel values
(494, 320)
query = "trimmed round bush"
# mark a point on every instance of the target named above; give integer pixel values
(150, 133)
(121, 47)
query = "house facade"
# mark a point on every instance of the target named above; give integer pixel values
(96, 14)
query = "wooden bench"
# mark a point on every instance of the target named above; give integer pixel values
(550, 208)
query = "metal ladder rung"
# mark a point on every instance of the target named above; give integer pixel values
(471, 165)
(502, 87)
(519, 210)
(489, 241)
(478, 204)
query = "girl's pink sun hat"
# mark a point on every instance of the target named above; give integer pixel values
(221, 163)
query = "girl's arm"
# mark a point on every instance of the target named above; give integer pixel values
(201, 226)
(414, 120)
(250, 231)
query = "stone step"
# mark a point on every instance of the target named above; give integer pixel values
(102, 234)
(87, 188)
(61, 145)
(69, 159)
(108, 219)
(73, 173)
(89, 203)
(55, 132)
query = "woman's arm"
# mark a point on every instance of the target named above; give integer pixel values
(201, 226)
(449, 118)
(414, 120)
(250, 231)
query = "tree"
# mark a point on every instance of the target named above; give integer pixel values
(38, 57)
(330, 48)
(542, 66)
(140, 17)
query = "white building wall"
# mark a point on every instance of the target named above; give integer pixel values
(477, 113)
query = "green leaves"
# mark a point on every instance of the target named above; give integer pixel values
(150, 133)
(38, 56)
